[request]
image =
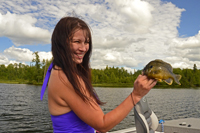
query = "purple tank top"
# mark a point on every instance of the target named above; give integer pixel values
(69, 122)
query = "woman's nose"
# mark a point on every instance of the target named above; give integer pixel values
(82, 47)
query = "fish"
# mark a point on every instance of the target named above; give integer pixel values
(161, 71)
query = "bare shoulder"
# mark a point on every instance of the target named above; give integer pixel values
(58, 79)
(58, 88)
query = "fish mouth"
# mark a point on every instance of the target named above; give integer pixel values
(145, 71)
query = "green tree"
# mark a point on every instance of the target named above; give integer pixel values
(36, 60)
(195, 68)
(3, 71)
(10, 72)
(37, 76)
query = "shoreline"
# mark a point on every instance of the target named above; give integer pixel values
(114, 85)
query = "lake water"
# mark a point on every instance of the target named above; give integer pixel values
(21, 109)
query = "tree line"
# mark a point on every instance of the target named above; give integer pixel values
(120, 77)
(27, 74)
(110, 76)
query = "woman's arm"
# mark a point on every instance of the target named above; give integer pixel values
(92, 114)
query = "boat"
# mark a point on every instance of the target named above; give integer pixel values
(187, 125)
(147, 122)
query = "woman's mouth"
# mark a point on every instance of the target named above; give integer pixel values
(80, 56)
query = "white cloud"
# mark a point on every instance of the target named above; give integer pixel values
(187, 43)
(136, 14)
(112, 58)
(45, 55)
(19, 54)
(4, 59)
(21, 30)
(181, 65)
(112, 42)
(185, 51)
(22, 55)
(147, 31)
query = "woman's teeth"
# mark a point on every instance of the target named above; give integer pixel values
(80, 55)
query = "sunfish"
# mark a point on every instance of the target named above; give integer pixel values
(161, 71)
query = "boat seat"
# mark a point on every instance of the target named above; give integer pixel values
(145, 119)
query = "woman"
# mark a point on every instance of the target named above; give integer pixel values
(73, 103)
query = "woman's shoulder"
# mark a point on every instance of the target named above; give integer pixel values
(57, 89)
(58, 77)
(59, 85)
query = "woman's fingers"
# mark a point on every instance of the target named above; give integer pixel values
(148, 82)
(153, 83)
(143, 84)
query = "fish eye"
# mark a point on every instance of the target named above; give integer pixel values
(151, 66)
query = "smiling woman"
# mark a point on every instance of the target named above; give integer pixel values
(72, 101)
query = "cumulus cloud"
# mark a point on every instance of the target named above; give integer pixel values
(21, 29)
(45, 55)
(19, 54)
(187, 43)
(110, 57)
(185, 51)
(136, 14)
(22, 55)
(113, 42)
(140, 30)
(4, 59)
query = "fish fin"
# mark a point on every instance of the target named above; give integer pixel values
(177, 78)
(169, 81)
(159, 80)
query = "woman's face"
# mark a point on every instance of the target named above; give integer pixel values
(79, 46)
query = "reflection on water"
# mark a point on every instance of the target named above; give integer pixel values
(21, 109)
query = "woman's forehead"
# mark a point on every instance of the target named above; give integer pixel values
(81, 33)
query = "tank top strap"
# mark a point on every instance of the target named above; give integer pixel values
(46, 80)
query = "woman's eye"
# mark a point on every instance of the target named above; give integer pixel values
(76, 41)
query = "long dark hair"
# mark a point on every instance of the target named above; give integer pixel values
(62, 55)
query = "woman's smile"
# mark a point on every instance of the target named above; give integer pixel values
(80, 56)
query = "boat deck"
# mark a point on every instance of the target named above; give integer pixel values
(128, 130)
(188, 125)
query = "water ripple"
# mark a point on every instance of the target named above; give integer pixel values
(22, 111)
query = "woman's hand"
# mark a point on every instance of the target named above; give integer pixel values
(142, 86)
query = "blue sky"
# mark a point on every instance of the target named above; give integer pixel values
(190, 20)
(127, 33)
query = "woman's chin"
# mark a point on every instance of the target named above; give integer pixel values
(78, 61)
